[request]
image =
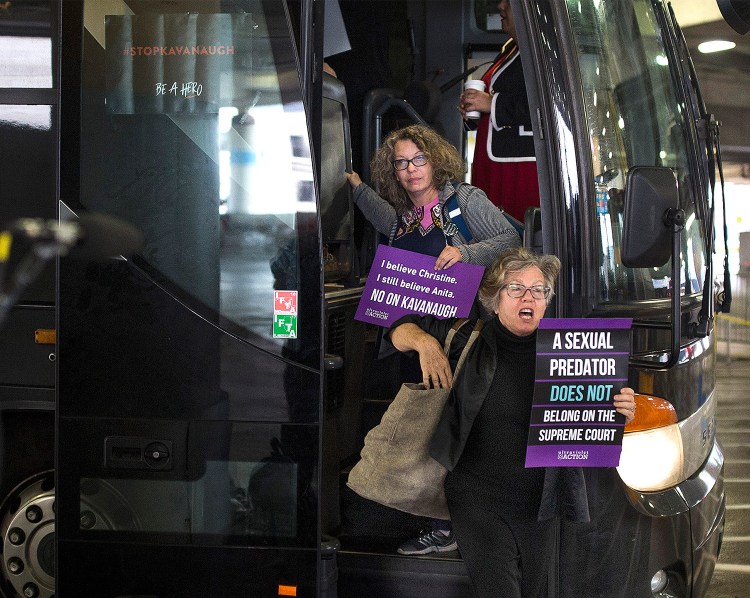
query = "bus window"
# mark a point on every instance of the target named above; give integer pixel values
(232, 196)
(634, 117)
(336, 208)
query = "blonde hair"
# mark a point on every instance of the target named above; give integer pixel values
(446, 163)
(514, 260)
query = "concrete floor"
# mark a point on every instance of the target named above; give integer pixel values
(732, 575)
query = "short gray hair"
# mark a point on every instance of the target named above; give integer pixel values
(515, 260)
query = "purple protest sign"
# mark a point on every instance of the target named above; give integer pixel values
(581, 364)
(403, 282)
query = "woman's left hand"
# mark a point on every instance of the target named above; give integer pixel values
(625, 403)
(353, 179)
(449, 256)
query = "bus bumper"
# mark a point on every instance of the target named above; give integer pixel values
(702, 500)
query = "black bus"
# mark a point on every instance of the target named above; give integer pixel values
(179, 421)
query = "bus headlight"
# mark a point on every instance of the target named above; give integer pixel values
(652, 457)
(652, 460)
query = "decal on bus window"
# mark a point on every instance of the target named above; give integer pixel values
(285, 314)
(173, 63)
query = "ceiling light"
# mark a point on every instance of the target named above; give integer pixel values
(716, 45)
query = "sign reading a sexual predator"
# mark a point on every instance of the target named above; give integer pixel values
(581, 365)
(404, 282)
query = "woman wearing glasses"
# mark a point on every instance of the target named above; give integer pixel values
(503, 514)
(427, 210)
(424, 207)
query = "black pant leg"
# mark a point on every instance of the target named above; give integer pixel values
(505, 556)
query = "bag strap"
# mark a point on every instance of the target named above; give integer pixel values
(453, 212)
(452, 332)
(472, 337)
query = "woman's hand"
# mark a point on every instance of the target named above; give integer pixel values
(353, 179)
(473, 99)
(436, 369)
(625, 403)
(449, 256)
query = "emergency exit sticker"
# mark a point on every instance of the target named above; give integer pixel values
(285, 314)
(285, 302)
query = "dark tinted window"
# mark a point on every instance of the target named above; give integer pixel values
(194, 130)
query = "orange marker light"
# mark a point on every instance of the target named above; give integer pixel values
(651, 412)
(287, 590)
(45, 336)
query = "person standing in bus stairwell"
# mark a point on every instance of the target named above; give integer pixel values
(504, 164)
(419, 173)
(503, 514)
(426, 208)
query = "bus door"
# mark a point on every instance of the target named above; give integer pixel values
(345, 249)
(189, 394)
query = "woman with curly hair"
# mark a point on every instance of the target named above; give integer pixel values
(423, 205)
(428, 210)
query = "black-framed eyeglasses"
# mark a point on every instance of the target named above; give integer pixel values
(403, 163)
(516, 291)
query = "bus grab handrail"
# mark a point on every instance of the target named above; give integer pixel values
(376, 104)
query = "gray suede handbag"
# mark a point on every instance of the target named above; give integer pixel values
(395, 467)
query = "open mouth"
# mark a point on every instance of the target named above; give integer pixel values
(526, 313)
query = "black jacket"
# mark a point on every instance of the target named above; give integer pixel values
(564, 492)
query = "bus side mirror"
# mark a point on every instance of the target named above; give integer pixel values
(736, 13)
(651, 204)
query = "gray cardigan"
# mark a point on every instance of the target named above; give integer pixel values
(491, 231)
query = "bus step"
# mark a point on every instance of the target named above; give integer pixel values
(368, 575)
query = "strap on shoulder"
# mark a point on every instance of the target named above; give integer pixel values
(452, 332)
(452, 213)
(472, 337)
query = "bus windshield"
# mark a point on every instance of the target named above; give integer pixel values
(635, 117)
